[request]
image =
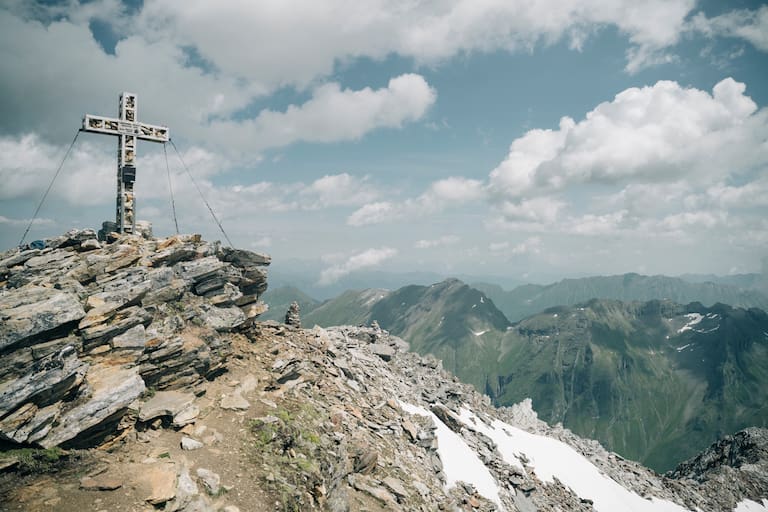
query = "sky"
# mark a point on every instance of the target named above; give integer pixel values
(528, 139)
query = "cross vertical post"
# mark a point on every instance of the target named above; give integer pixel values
(128, 130)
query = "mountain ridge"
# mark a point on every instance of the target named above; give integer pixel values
(530, 299)
(589, 367)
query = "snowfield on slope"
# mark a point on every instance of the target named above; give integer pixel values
(551, 458)
(460, 462)
(751, 506)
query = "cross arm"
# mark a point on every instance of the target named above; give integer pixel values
(113, 126)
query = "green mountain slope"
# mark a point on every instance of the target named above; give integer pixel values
(530, 299)
(351, 307)
(450, 320)
(653, 381)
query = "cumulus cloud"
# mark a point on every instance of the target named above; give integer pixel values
(340, 30)
(665, 147)
(656, 133)
(332, 114)
(365, 259)
(191, 43)
(209, 109)
(437, 242)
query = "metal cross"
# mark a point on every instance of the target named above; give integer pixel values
(128, 130)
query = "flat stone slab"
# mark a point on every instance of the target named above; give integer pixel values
(187, 443)
(100, 483)
(235, 402)
(161, 479)
(165, 403)
(383, 351)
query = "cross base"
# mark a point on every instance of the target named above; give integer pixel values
(110, 228)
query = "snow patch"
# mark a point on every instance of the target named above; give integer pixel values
(751, 506)
(693, 319)
(460, 462)
(479, 333)
(482, 300)
(554, 315)
(552, 459)
(680, 349)
(474, 306)
(373, 297)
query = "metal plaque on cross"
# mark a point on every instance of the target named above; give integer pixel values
(128, 130)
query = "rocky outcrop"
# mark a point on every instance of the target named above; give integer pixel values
(87, 326)
(732, 468)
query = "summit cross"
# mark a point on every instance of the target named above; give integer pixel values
(128, 130)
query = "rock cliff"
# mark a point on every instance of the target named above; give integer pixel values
(87, 326)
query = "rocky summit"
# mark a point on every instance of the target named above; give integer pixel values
(135, 375)
(86, 327)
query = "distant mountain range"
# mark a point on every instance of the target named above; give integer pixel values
(530, 299)
(653, 380)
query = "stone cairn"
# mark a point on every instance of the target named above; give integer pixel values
(292, 316)
(87, 326)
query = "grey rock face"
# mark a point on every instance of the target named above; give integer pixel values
(112, 390)
(121, 305)
(46, 381)
(32, 311)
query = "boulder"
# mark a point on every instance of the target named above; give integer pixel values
(244, 259)
(383, 351)
(165, 403)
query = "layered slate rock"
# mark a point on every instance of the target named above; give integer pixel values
(87, 326)
(33, 311)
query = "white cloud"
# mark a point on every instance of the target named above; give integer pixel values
(498, 246)
(437, 242)
(365, 259)
(76, 74)
(542, 210)
(441, 194)
(456, 190)
(338, 190)
(373, 214)
(671, 150)
(750, 25)
(597, 225)
(23, 222)
(332, 114)
(340, 30)
(645, 135)
(531, 245)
